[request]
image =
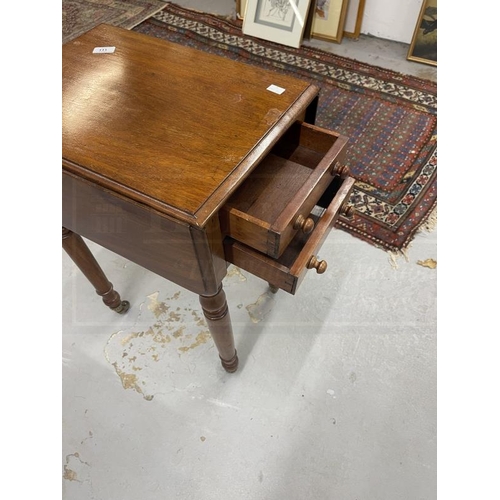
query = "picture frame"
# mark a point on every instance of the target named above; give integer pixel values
(280, 21)
(329, 20)
(423, 46)
(354, 18)
(241, 5)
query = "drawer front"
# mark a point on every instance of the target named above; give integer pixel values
(288, 271)
(275, 202)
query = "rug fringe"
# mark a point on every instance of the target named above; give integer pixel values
(430, 223)
(394, 255)
(427, 226)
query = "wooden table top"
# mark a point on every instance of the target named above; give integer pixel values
(169, 126)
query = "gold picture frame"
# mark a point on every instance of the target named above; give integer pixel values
(279, 21)
(354, 18)
(423, 47)
(240, 8)
(329, 19)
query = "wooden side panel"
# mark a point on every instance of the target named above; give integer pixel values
(163, 246)
(259, 265)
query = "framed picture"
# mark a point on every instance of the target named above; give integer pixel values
(354, 17)
(423, 47)
(329, 19)
(280, 21)
(240, 8)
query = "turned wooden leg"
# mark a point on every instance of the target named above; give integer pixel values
(219, 323)
(79, 252)
(272, 288)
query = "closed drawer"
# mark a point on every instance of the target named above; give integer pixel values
(287, 271)
(275, 201)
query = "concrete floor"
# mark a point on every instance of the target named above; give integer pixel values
(335, 397)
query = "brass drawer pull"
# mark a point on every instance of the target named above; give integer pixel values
(341, 170)
(319, 265)
(348, 211)
(306, 225)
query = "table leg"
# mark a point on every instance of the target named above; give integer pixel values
(219, 323)
(79, 252)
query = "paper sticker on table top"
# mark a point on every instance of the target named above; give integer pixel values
(103, 50)
(276, 89)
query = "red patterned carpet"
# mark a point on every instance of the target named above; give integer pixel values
(78, 16)
(390, 118)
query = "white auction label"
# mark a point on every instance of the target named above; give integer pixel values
(103, 50)
(276, 89)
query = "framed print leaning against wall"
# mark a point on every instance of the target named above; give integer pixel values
(280, 21)
(423, 47)
(354, 18)
(329, 19)
(241, 5)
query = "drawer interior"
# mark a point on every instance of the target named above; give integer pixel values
(270, 188)
(287, 183)
(305, 144)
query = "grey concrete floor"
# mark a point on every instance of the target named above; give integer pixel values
(335, 397)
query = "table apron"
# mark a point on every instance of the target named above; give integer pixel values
(188, 256)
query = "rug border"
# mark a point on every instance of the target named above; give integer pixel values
(314, 50)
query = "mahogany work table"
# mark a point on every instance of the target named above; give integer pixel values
(184, 162)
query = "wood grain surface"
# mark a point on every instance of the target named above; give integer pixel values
(169, 126)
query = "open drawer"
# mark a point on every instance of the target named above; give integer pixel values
(274, 203)
(287, 271)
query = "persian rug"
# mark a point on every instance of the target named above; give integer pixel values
(390, 119)
(79, 16)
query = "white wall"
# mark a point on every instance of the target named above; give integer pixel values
(391, 19)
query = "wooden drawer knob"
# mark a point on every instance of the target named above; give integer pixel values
(305, 225)
(341, 170)
(348, 211)
(319, 265)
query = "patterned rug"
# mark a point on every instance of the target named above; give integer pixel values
(78, 16)
(390, 119)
